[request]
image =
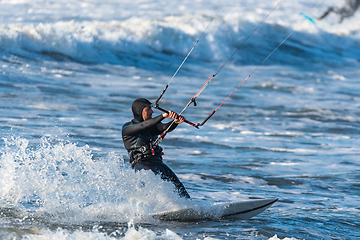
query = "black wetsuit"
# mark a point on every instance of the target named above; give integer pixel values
(138, 137)
(347, 11)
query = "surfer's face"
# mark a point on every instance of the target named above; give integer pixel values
(147, 112)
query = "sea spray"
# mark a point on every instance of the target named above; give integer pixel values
(61, 181)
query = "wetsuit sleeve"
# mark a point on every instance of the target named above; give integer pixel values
(162, 127)
(142, 126)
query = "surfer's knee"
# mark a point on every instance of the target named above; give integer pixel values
(160, 170)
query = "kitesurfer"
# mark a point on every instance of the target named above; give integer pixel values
(139, 135)
(346, 11)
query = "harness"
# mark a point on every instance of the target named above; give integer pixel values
(144, 152)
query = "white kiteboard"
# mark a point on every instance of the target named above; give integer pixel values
(239, 210)
(311, 19)
(318, 23)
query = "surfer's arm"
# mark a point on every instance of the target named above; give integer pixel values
(146, 125)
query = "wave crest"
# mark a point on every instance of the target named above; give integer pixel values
(131, 41)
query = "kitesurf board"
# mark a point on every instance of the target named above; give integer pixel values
(239, 210)
(311, 19)
(318, 23)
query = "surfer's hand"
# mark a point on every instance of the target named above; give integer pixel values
(171, 114)
(180, 119)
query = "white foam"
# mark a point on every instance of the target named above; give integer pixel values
(59, 178)
(286, 238)
(103, 41)
(132, 233)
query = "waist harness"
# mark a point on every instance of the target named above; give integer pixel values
(144, 152)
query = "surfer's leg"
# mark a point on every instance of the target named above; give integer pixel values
(141, 166)
(345, 13)
(331, 9)
(165, 172)
(341, 19)
(168, 175)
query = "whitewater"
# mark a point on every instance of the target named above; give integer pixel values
(70, 70)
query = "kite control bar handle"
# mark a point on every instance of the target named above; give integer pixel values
(166, 111)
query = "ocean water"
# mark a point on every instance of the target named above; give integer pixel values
(69, 71)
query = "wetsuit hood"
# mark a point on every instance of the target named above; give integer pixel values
(138, 106)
